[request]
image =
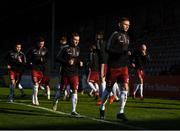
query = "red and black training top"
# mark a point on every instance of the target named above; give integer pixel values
(117, 48)
(37, 58)
(12, 60)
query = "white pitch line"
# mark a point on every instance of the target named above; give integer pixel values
(91, 118)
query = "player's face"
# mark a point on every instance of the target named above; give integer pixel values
(143, 47)
(76, 40)
(18, 48)
(99, 36)
(41, 44)
(125, 25)
(63, 42)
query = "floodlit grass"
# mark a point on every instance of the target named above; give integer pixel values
(147, 114)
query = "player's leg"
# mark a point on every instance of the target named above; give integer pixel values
(141, 77)
(57, 91)
(67, 92)
(11, 91)
(42, 85)
(123, 99)
(103, 85)
(113, 94)
(35, 92)
(47, 87)
(91, 93)
(48, 92)
(97, 90)
(36, 78)
(12, 76)
(136, 88)
(93, 78)
(111, 79)
(20, 87)
(103, 82)
(104, 98)
(116, 91)
(103, 77)
(62, 87)
(21, 90)
(137, 84)
(74, 80)
(123, 95)
(57, 97)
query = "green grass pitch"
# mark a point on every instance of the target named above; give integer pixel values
(148, 114)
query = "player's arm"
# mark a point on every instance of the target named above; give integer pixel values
(146, 57)
(132, 59)
(115, 46)
(63, 56)
(24, 61)
(45, 57)
(80, 61)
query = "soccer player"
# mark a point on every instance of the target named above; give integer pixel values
(45, 86)
(60, 59)
(139, 59)
(16, 63)
(37, 58)
(93, 76)
(117, 71)
(103, 57)
(71, 63)
(100, 45)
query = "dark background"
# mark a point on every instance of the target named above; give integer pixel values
(25, 19)
(30, 16)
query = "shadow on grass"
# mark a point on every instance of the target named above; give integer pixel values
(27, 112)
(166, 124)
(68, 126)
(161, 124)
(152, 102)
(153, 107)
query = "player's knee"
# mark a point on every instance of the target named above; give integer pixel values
(75, 91)
(125, 87)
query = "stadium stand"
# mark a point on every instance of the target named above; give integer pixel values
(164, 49)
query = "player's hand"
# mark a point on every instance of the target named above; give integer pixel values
(19, 59)
(129, 53)
(9, 67)
(102, 79)
(143, 52)
(81, 63)
(71, 61)
(133, 65)
(41, 59)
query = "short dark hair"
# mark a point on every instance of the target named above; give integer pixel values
(18, 43)
(40, 39)
(74, 34)
(100, 33)
(63, 38)
(123, 19)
